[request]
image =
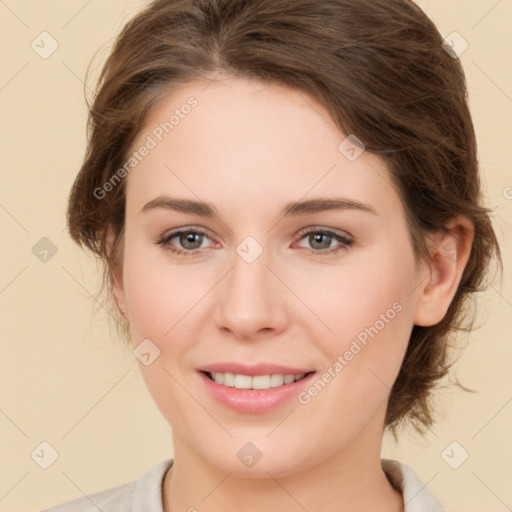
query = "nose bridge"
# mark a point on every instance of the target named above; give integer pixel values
(249, 300)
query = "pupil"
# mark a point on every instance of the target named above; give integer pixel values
(190, 238)
(318, 237)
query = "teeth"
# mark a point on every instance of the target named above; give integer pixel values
(228, 379)
(257, 382)
(288, 379)
(276, 380)
(243, 381)
(260, 382)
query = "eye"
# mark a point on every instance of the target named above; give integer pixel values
(321, 240)
(191, 240)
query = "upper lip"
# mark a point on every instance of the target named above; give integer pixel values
(256, 369)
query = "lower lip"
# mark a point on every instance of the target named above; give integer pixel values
(255, 401)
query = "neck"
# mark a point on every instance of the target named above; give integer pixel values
(348, 480)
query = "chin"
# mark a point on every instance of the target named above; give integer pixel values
(258, 458)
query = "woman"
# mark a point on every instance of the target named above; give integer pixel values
(286, 198)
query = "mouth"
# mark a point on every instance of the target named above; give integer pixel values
(256, 388)
(255, 382)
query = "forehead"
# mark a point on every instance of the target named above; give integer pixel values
(240, 141)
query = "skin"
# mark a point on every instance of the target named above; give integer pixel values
(248, 148)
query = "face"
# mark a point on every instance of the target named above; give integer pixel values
(300, 264)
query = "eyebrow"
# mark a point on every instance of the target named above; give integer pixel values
(295, 208)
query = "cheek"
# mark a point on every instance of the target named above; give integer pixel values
(159, 295)
(368, 307)
(353, 297)
(161, 299)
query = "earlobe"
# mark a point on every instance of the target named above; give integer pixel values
(449, 251)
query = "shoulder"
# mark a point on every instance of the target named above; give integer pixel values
(143, 494)
(106, 500)
(417, 497)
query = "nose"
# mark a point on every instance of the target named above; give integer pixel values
(251, 300)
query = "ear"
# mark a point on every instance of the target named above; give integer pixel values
(116, 276)
(449, 252)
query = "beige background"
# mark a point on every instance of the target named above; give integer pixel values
(66, 379)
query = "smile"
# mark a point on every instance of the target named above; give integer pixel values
(240, 381)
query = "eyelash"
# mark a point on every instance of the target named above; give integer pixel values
(345, 242)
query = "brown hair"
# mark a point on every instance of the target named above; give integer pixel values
(379, 69)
